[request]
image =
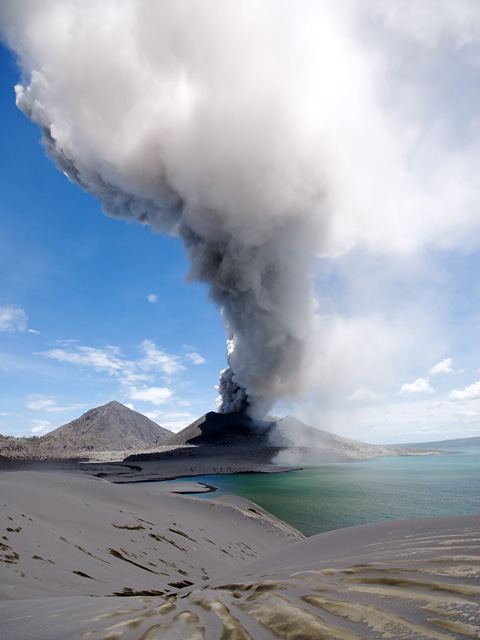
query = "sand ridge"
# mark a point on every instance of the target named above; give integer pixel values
(64, 534)
(382, 581)
(164, 566)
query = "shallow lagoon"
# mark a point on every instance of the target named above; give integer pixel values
(332, 496)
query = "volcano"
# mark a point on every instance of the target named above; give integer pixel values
(224, 429)
(288, 435)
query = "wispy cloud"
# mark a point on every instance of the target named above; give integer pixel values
(134, 376)
(193, 355)
(99, 359)
(152, 297)
(39, 402)
(159, 360)
(41, 426)
(419, 386)
(13, 318)
(109, 360)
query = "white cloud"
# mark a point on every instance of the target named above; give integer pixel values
(13, 318)
(445, 366)
(364, 396)
(110, 361)
(39, 402)
(40, 425)
(173, 420)
(134, 376)
(413, 185)
(159, 360)
(409, 419)
(155, 395)
(193, 355)
(420, 385)
(129, 405)
(469, 393)
(66, 342)
(196, 358)
(100, 359)
(152, 297)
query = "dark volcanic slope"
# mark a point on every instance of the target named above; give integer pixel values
(238, 430)
(223, 430)
(111, 427)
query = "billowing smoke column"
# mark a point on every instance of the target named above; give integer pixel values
(260, 132)
(159, 111)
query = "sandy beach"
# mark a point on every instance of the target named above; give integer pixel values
(84, 557)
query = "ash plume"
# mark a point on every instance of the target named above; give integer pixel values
(260, 133)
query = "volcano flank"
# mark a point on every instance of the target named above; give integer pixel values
(224, 429)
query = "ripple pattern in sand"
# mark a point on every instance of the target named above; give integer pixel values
(401, 589)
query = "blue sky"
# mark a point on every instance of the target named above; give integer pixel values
(94, 308)
(83, 279)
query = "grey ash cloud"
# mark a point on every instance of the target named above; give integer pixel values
(261, 135)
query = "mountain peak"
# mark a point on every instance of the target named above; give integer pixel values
(109, 427)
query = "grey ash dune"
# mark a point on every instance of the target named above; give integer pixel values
(64, 534)
(162, 567)
(83, 557)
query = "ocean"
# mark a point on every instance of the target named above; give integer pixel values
(332, 496)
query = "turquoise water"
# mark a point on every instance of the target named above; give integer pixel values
(332, 496)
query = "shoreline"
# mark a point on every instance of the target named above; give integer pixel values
(194, 475)
(179, 463)
(191, 461)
